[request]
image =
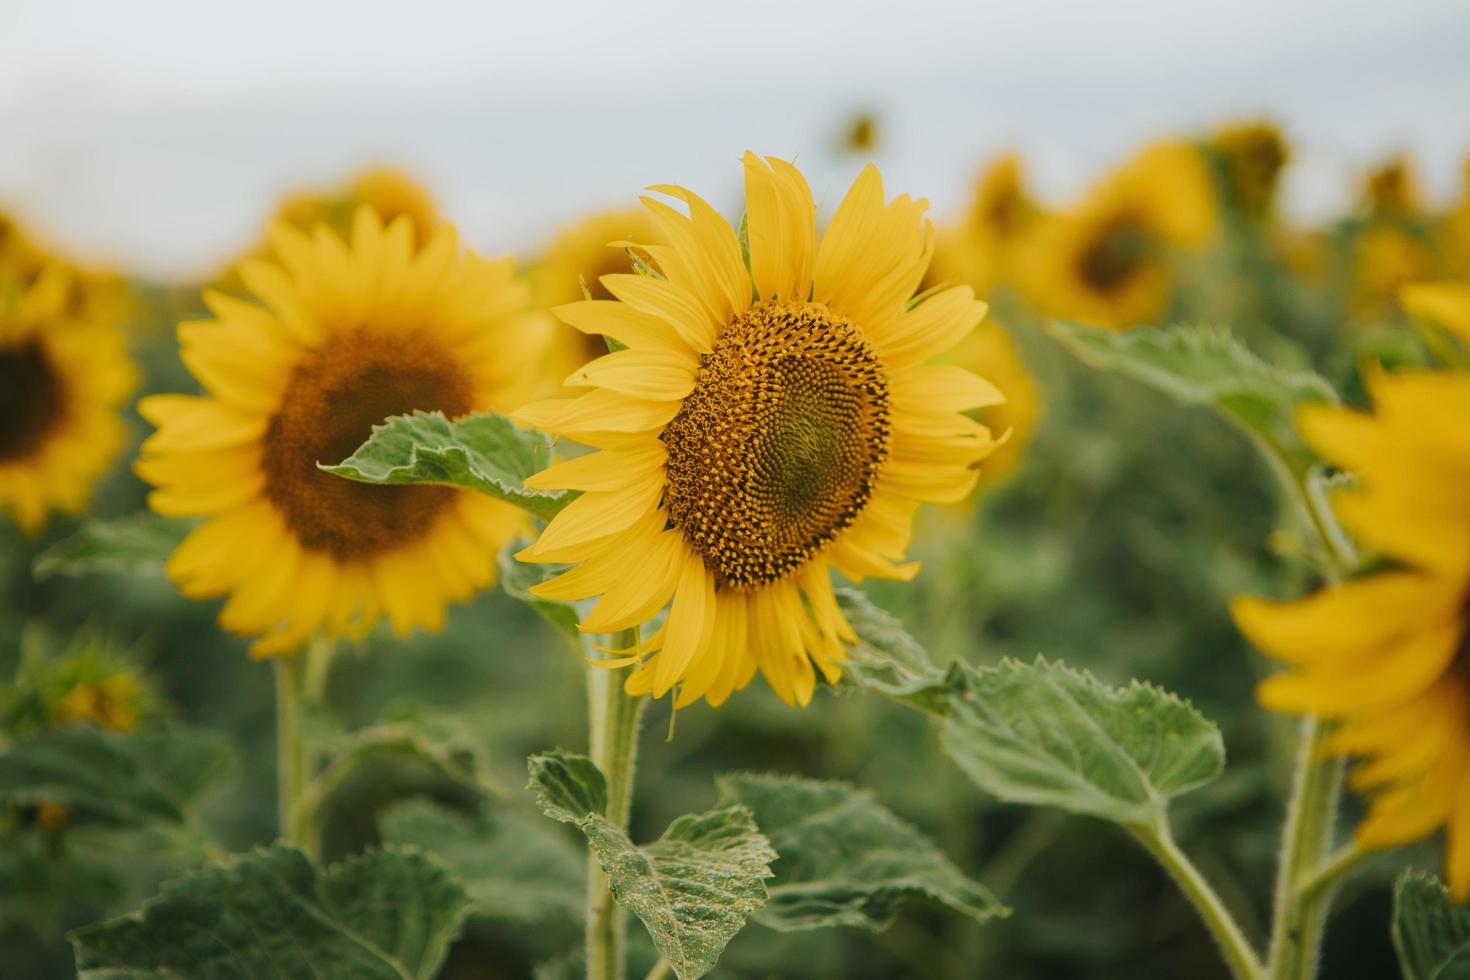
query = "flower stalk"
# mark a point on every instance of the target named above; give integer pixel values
(290, 746)
(614, 719)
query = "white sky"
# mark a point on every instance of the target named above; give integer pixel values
(160, 133)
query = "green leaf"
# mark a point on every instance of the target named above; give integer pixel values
(1046, 735)
(886, 659)
(1430, 932)
(389, 914)
(1208, 366)
(122, 780)
(693, 888)
(515, 866)
(486, 453)
(138, 544)
(517, 578)
(845, 860)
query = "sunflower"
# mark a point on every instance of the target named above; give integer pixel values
(980, 249)
(344, 335)
(1109, 261)
(991, 353)
(768, 422)
(577, 259)
(63, 380)
(92, 294)
(1250, 156)
(1387, 655)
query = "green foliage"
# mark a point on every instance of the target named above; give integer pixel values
(886, 659)
(1046, 735)
(845, 860)
(1209, 366)
(124, 780)
(389, 914)
(517, 578)
(515, 866)
(137, 544)
(693, 888)
(485, 453)
(1430, 932)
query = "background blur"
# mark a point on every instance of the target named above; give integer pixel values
(161, 133)
(157, 138)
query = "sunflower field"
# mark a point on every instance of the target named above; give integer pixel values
(746, 581)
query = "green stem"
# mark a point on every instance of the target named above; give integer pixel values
(660, 970)
(613, 719)
(1239, 956)
(290, 747)
(1300, 916)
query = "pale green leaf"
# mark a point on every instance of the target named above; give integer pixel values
(485, 453)
(1430, 932)
(138, 544)
(845, 860)
(1208, 366)
(517, 578)
(515, 865)
(112, 778)
(389, 914)
(1046, 735)
(886, 659)
(693, 888)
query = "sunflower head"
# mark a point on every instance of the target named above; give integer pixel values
(1392, 191)
(63, 379)
(980, 249)
(1251, 156)
(1110, 260)
(1386, 656)
(1385, 257)
(577, 259)
(767, 422)
(338, 336)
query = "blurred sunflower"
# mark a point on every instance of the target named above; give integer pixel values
(991, 353)
(578, 258)
(766, 424)
(390, 193)
(981, 248)
(63, 380)
(1251, 157)
(1110, 261)
(91, 293)
(1387, 655)
(344, 335)
(1456, 233)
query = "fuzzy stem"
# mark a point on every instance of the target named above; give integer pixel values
(1239, 956)
(290, 747)
(613, 719)
(1300, 916)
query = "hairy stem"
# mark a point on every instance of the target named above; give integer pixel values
(613, 719)
(1300, 916)
(1239, 956)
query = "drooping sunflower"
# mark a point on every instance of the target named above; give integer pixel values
(579, 257)
(981, 248)
(766, 424)
(1251, 157)
(1387, 655)
(1110, 261)
(344, 334)
(63, 380)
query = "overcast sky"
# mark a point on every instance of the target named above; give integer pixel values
(160, 133)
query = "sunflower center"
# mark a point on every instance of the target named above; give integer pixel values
(1119, 249)
(32, 399)
(334, 398)
(776, 449)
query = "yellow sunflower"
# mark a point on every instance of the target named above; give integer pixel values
(92, 293)
(767, 423)
(1110, 261)
(579, 257)
(1387, 655)
(1456, 232)
(991, 353)
(980, 249)
(1251, 156)
(63, 381)
(343, 336)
